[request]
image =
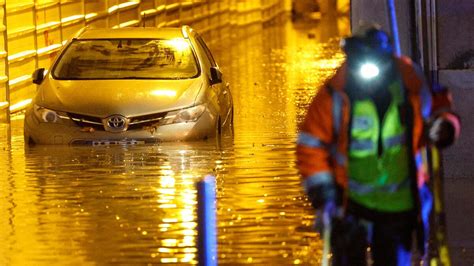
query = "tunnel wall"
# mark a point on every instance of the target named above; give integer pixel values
(456, 70)
(34, 31)
(375, 11)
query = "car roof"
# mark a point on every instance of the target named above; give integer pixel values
(132, 32)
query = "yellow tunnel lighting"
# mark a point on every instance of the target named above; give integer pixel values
(19, 80)
(148, 12)
(127, 24)
(21, 55)
(128, 4)
(125, 5)
(161, 8)
(91, 15)
(172, 7)
(46, 26)
(48, 49)
(20, 105)
(112, 9)
(3, 105)
(72, 19)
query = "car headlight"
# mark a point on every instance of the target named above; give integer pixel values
(45, 114)
(186, 115)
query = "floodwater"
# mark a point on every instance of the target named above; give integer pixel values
(129, 205)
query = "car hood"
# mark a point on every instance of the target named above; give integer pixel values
(102, 98)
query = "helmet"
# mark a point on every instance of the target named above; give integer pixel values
(368, 40)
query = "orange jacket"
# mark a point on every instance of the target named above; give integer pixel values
(322, 145)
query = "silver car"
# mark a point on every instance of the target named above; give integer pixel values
(127, 86)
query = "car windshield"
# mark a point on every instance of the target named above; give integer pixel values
(127, 59)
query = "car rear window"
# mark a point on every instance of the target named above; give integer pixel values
(127, 59)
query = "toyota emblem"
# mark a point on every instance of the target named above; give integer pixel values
(116, 123)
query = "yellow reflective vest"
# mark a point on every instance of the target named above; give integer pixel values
(379, 181)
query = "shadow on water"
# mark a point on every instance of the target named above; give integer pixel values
(136, 204)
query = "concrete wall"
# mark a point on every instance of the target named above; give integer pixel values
(456, 70)
(456, 27)
(456, 63)
(375, 11)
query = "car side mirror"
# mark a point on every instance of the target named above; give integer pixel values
(216, 75)
(38, 76)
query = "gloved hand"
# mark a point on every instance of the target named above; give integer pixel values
(441, 133)
(320, 194)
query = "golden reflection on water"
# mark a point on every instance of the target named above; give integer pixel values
(136, 204)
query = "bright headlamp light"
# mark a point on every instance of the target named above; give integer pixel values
(369, 71)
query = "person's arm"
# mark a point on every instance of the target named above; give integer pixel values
(313, 150)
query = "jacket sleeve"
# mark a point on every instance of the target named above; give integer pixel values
(313, 152)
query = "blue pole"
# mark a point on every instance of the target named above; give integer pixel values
(207, 236)
(394, 26)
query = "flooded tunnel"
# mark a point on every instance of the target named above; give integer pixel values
(136, 204)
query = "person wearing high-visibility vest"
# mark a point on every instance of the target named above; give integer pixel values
(360, 151)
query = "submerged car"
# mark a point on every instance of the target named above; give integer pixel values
(127, 86)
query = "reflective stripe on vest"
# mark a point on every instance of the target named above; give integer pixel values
(308, 140)
(379, 181)
(362, 145)
(365, 189)
(368, 144)
(394, 141)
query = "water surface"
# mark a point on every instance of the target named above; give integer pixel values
(66, 205)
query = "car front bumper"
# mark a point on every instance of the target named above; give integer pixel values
(67, 132)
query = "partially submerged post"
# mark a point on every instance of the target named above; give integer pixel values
(207, 236)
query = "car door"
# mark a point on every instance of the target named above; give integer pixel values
(221, 89)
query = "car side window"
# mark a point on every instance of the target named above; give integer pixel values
(206, 50)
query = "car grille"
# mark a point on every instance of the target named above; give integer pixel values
(87, 121)
(137, 122)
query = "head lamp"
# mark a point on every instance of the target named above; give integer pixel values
(369, 71)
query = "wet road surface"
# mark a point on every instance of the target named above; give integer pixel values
(136, 204)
